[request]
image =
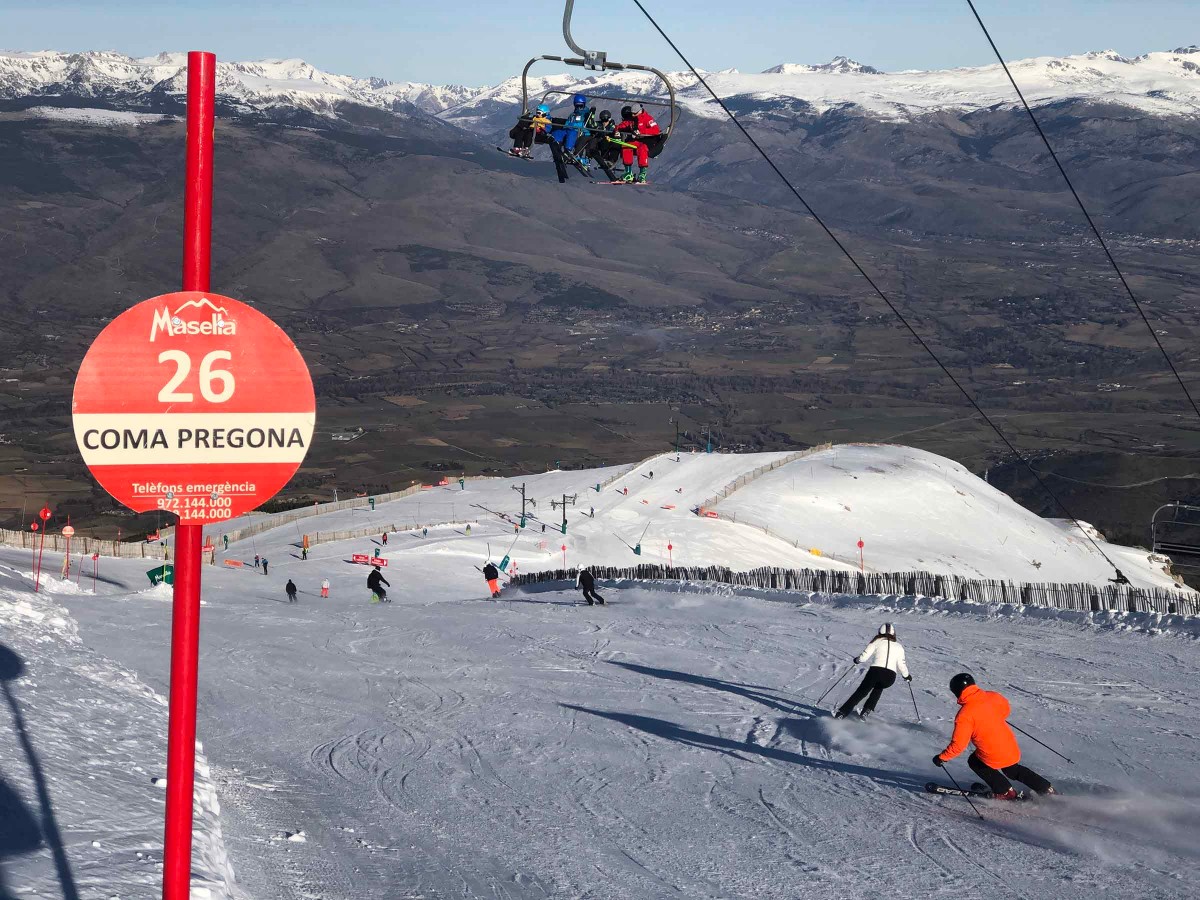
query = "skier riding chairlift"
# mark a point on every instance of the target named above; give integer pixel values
(597, 61)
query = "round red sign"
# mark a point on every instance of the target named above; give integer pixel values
(69, 531)
(194, 404)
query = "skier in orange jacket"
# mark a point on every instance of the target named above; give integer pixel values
(982, 721)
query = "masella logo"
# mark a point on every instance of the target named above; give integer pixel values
(193, 317)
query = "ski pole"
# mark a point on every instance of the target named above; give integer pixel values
(958, 787)
(835, 684)
(912, 694)
(1047, 746)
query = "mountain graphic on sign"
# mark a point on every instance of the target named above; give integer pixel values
(200, 304)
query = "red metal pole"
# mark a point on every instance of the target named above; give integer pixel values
(33, 558)
(37, 574)
(95, 569)
(185, 626)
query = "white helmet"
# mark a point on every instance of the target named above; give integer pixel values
(887, 629)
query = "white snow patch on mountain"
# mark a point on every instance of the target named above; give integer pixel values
(106, 117)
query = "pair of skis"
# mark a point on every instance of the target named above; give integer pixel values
(978, 789)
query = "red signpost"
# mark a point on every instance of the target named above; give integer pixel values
(44, 515)
(33, 526)
(95, 569)
(198, 405)
(564, 551)
(670, 556)
(862, 566)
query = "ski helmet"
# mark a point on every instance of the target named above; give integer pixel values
(605, 116)
(580, 100)
(626, 112)
(961, 682)
(887, 629)
(543, 108)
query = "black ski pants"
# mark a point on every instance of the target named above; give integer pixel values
(873, 685)
(590, 595)
(999, 784)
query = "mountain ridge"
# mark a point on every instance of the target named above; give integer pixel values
(1164, 83)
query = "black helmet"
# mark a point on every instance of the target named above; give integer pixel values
(605, 116)
(626, 112)
(887, 629)
(961, 682)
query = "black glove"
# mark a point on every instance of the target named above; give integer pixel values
(938, 761)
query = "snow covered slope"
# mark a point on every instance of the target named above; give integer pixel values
(916, 512)
(82, 745)
(665, 745)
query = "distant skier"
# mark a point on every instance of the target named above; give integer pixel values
(383, 538)
(290, 587)
(325, 588)
(303, 553)
(492, 575)
(468, 531)
(375, 582)
(982, 721)
(264, 562)
(424, 532)
(586, 582)
(225, 537)
(886, 657)
(257, 561)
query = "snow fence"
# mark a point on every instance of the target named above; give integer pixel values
(1078, 597)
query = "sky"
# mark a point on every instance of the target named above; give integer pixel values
(474, 43)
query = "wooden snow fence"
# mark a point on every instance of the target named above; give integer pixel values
(1080, 597)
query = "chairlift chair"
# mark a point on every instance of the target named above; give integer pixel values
(597, 61)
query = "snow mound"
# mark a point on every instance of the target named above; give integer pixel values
(916, 511)
(86, 796)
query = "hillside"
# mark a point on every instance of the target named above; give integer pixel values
(472, 315)
(915, 511)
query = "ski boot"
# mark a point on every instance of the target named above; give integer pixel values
(862, 716)
(1010, 794)
(628, 176)
(641, 179)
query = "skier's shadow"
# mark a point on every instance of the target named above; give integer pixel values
(20, 832)
(756, 692)
(742, 749)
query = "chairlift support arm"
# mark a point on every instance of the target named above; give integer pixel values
(592, 59)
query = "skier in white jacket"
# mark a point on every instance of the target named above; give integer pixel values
(886, 657)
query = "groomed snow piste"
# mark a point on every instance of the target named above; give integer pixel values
(665, 745)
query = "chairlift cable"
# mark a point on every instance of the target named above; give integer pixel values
(1082, 208)
(879, 291)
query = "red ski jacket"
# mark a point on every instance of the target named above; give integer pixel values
(643, 123)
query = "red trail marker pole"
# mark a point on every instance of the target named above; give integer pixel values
(862, 566)
(670, 556)
(44, 515)
(185, 618)
(33, 526)
(564, 551)
(95, 569)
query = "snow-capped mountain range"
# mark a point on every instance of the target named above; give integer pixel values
(1161, 83)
